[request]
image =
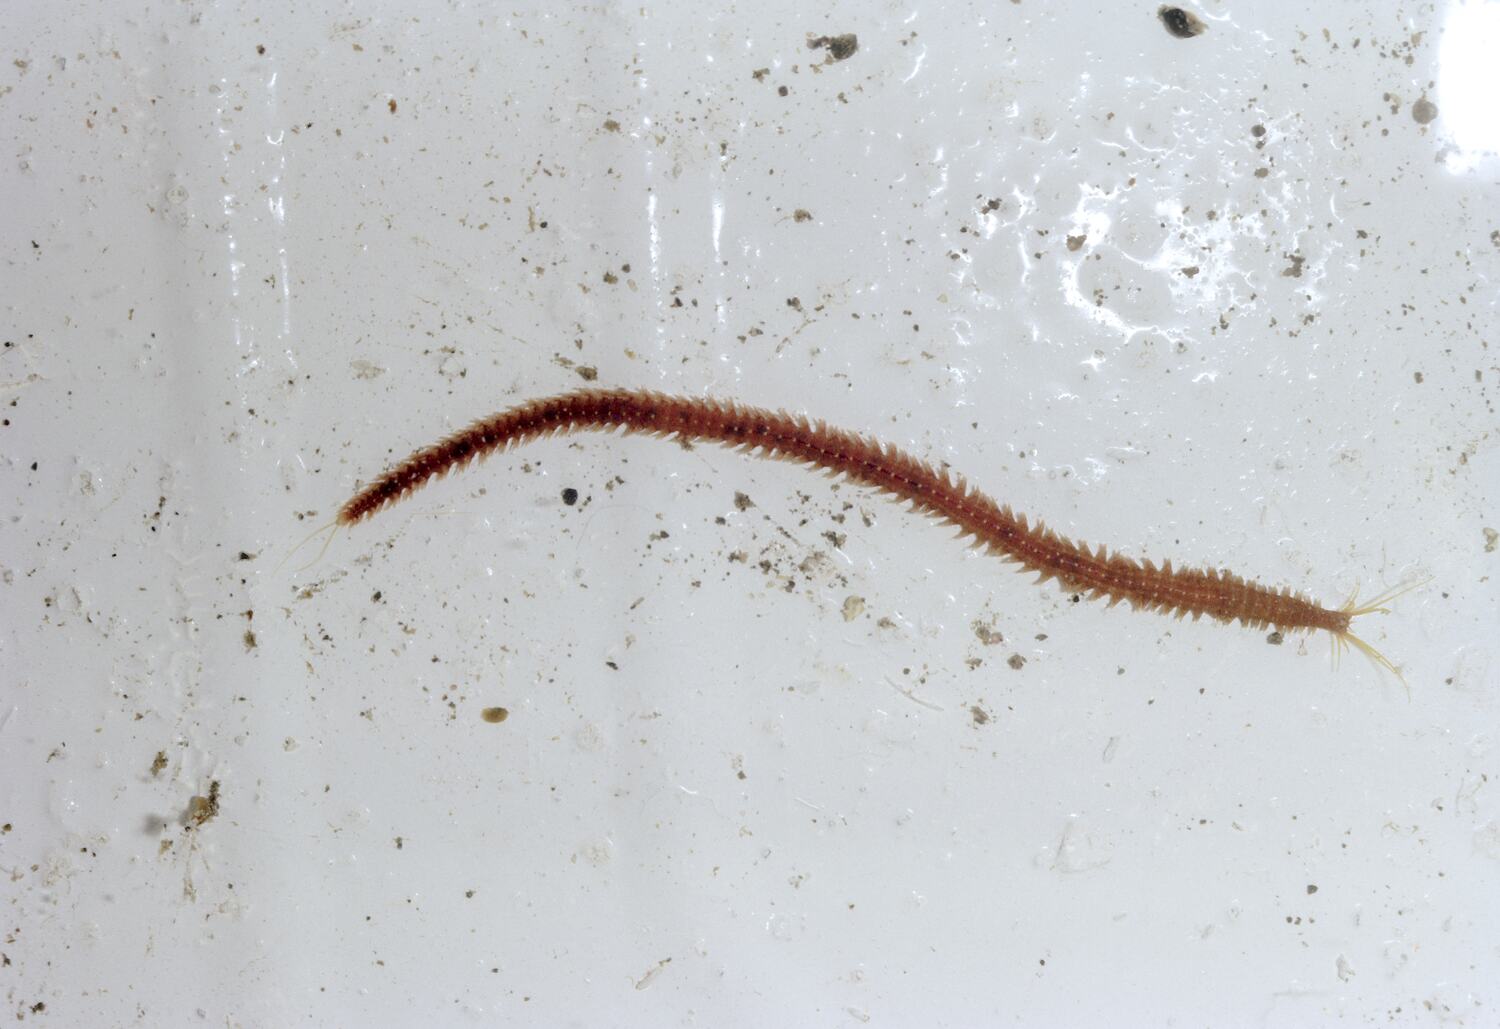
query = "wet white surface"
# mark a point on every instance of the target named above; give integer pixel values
(777, 751)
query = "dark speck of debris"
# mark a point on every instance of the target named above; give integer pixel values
(979, 714)
(1182, 24)
(260, 48)
(1311, 889)
(782, 91)
(1275, 639)
(801, 214)
(393, 105)
(159, 763)
(494, 715)
(570, 496)
(986, 634)
(840, 48)
(1424, 111)
(202, 810)
(1016, 661)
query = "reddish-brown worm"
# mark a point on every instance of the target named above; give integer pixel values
(993, 527)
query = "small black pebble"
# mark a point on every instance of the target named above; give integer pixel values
(1179, 22)
(570, 496)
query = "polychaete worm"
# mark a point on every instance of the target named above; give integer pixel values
(1096, 574)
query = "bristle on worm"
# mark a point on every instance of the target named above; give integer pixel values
(990, 526)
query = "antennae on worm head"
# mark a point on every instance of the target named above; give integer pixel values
(1376, 605)
(1346, 638)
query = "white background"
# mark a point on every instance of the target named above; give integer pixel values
(778, 752)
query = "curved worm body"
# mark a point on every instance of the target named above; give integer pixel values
(1096, 574)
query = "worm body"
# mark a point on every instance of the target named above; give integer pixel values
(1096, 574)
